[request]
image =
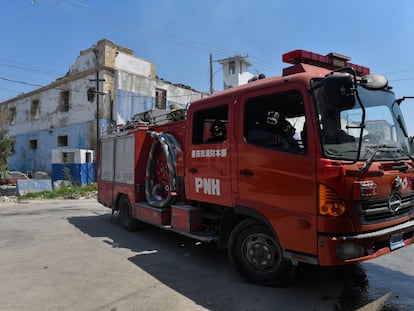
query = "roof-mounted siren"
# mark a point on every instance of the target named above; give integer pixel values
(331, 61)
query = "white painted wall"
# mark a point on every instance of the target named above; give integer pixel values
(135, 65)
(132, 82)
(83, 62)
(241, 75)
(50, 117)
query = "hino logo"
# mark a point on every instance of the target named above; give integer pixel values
(399, 183)
(394, 203)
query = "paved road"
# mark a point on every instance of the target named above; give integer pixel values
(67, 255)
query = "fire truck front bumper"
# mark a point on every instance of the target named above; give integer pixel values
(336, 250)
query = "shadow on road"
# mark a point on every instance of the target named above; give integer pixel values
(202, 273)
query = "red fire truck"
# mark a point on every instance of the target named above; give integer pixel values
(313, 166)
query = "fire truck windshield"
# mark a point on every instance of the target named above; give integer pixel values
(369, 128)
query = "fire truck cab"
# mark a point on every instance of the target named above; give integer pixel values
(313, 166)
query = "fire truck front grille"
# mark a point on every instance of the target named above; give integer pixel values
(372, 212)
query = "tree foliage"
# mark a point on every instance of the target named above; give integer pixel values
(6, 144)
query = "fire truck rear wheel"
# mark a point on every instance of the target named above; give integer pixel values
(257, 256)
(125, 215)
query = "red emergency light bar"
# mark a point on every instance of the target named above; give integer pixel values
(330, 61)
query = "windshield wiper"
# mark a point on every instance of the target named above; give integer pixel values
(369, 161)
(383, 148)
(375, 151)
(408, 155)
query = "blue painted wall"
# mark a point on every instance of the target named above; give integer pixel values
(82, 173)
(129, 104)
(79, 135)
(25, 160)
(26, 186)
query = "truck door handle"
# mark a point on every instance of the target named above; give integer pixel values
(193, 170)
(246, 173)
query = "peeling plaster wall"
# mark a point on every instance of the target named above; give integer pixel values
(24, 159)
(83, 62)
(137, 66)
(130, 103)
(129, 87)
(50, 116)
(78, 124)
(135, 94)
(178, 94)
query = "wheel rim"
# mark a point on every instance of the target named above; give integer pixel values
(262, 252)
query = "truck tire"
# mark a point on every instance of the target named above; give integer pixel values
(125, 215)
(257, 256)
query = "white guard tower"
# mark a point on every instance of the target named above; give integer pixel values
(235, 71)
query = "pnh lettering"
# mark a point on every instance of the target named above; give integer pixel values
(209, 186)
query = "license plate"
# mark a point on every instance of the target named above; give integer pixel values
(396, 241)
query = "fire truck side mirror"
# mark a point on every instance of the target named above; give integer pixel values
(339, 91)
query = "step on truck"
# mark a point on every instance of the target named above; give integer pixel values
(312, 166)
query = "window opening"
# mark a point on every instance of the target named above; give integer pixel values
(160, 99)
(64, 101)
(68, 157)
(276, 121)
(232, 68)
(33, 144)
(210, 125)
(12, 115)
(35, 109)
(88, 157)
(62, 141)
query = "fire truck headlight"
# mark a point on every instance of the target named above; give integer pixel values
(330, 203)
(364, 189)
(349, 251)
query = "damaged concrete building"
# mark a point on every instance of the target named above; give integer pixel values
(105, 87)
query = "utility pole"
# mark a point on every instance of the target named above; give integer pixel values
(97, 92)
(211, 74)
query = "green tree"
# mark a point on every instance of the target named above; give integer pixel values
(6, 145)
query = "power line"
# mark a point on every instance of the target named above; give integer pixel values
(12, 16)
(190, 93)
(399, 71)
(402, 79)
(80, 8)
(17, 15)
(21, 82)
(8, 90)
(148, 32)
(21, 66)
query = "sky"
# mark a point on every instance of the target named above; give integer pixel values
(40, 39)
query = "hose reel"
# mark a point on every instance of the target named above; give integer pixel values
(154, 191)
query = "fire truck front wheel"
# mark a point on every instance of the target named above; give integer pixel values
(257, 255)
(125, 214)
